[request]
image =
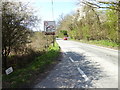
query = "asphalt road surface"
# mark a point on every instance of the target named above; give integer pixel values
(83, 66)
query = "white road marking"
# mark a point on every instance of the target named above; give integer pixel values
(83, 74)
(71, 59)
(76, 61)
(80, 71)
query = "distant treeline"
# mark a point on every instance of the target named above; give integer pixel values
(89, 23)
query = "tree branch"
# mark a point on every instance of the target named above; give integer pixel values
(113, 4)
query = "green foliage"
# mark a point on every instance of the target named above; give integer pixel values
(22, 76)
(93, 24)
(105, 43)
(86, 33)
(111, 25)
(73, 33)
(16, 18)
(63, 33)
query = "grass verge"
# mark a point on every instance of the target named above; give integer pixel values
(104, 43)
(23, 76)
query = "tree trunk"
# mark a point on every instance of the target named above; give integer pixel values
(4, 63)
(5, 54)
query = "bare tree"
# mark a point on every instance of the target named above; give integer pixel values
(114, 5)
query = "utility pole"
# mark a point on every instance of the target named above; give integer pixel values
(53, 20)
(53, 40)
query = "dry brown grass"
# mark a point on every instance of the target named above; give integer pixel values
(28, 53)
(40, 41)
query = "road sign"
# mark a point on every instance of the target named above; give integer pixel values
(9, 70)
(49, 27)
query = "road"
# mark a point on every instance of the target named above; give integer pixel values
(83, 66)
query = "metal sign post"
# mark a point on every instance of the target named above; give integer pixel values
(53, 41)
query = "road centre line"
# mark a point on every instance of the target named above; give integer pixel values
(80, 71)
(71, 59)
(83, 74)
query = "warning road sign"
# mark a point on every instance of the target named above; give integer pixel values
(49, 26)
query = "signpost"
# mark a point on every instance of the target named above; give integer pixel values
(49, 28)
